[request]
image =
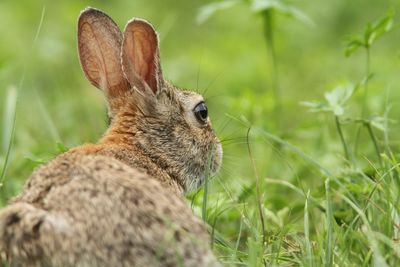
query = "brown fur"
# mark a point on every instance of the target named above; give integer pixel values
(120, 202)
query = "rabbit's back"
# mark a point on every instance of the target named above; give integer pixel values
(85, 210)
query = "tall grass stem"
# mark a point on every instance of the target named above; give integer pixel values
(342, 139)
(258, 191)
(8, 128)
(307, 233)
(269, 37)
(329, 226)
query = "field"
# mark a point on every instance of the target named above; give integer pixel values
(304, 96)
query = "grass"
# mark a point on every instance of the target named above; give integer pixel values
(8, 130)
(300, 188)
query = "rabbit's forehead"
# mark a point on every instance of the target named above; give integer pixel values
(189, 99)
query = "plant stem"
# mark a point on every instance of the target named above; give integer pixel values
(329, 226)
(258, 192)
(364, 103)
(339, 129)
(307, 232)
(374, 141)
(269, 37)
(364, 107)
(9, 129)
(205, 196)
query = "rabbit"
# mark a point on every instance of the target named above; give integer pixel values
(120, 202)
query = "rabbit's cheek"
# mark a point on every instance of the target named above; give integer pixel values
(217, 158)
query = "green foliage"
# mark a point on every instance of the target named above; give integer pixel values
(8, 130)
(373, 31)
(336, 100)
(256, 6)
(282, 7)
(206, 11)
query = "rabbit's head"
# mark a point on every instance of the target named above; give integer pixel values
(167, 125)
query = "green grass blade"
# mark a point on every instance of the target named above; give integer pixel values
(378, 259)
(329, 226)
(55, 135)
(8, 128)
(309, 253)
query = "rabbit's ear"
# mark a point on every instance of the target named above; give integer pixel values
(140, 56)
(99, 46)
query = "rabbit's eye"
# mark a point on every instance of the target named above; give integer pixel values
(201, 112)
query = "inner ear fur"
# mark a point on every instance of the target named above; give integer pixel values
(141, 56)
(99, 47)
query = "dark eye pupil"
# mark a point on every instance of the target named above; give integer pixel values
(201, 112)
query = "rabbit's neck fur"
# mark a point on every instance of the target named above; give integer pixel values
(121, 142)
(136, 159)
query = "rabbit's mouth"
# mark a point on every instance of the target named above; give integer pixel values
(209, 170)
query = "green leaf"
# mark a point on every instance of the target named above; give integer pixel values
(262, 5)
(281, 7)
(315, 106)
(335, 100)
(61, 147)
(256, 6)
(9, 118)
(378, 28)
(8, 130)
(353, 44)
(338, 110)
(338, 97)
(206, 11)
(372, 32)
(35, 159)
(247, 191)
(380, 122)
(366, 79)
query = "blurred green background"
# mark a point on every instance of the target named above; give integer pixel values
(227, 58)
